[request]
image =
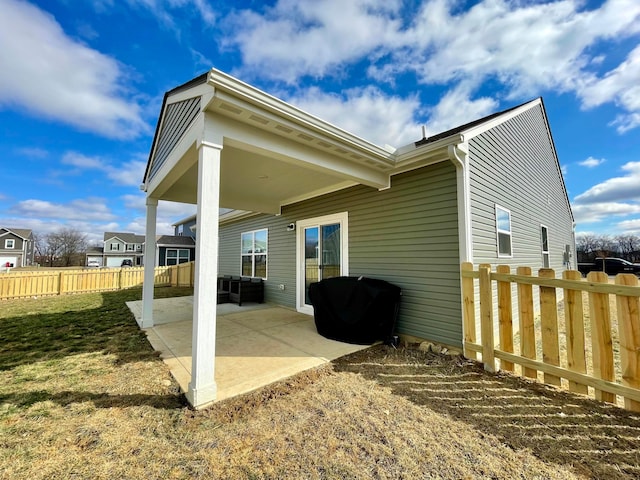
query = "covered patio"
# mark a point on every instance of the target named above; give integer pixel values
(221, 143)
(256, 344)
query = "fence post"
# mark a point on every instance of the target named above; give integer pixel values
(549, 325)
(486, 318)
(527, 328)
(602, 344)
(629, 331)
(61, 283)
(574, 324)
(505, 317)
(468, 310)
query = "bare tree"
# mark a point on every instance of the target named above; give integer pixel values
(61, 248)
(627, 244)
(72, 244)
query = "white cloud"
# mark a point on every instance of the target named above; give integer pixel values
(168, 213)
(621, 86)
(296, 38)
(630, 226)
(592, 162)
(528, 47)
(366, 112)
(63, 79)
(33, 152)
(164, 10)
(596, 212)
(86, 210)
(615, 189)
(457, 108)
(129, 173)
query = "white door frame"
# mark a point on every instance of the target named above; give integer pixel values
(343, 219)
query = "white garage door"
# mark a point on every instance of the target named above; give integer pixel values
(116, 261)
(12, 260)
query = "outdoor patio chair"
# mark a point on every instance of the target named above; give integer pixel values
(246, 289)
(224, 286)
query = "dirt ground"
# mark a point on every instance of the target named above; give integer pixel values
(594, 439)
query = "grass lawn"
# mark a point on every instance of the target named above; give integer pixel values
(83, 396)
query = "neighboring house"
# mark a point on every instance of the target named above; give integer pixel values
(185, 227)
(311, 199)
(119, 246)
(173, 250)
(95, 256)
(16, 247)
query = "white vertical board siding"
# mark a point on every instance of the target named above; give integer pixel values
(407, 235)
(513, 165)
(177, 119)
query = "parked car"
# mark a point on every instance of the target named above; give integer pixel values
(93, 263)
(126, 263)
(609, 265)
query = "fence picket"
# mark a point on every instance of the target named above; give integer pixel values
(469, 310)
(486, 318)
(629, 331)
(574, 320)
(549, 325)
(505, 317)
(602, 344)
(527, 327)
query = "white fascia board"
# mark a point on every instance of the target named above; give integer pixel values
(14, 233)
(427, 154)
(284, 110)
(114, 238)
(489, 124)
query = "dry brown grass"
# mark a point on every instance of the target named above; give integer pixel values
(109, 409)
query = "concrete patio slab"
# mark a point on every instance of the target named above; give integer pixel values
(256, 344)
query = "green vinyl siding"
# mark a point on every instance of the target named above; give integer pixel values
(407, 235)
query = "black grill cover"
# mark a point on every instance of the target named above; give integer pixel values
(356, 310)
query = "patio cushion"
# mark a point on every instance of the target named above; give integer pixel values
(355, 309)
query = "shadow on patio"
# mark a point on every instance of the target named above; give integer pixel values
(256, 344)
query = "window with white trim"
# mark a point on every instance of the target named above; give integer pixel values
(115, 246)
(9, 243)
(544, 243)
(503, 232)
(130, 247)
(254, 253)
(175, 256)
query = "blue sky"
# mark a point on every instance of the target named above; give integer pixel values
(82, 85)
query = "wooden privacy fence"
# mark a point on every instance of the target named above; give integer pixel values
(600, 337)
(21, 284)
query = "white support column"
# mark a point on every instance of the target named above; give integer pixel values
(202, 388)
(149, 263)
